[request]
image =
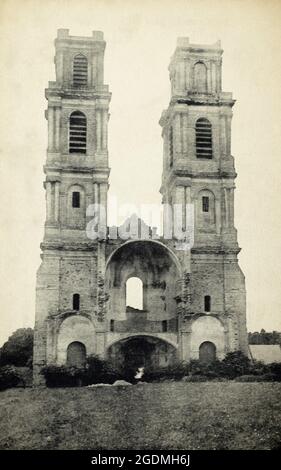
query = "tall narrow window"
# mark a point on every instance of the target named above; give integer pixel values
(203, 132)
(112, 325)
(164, 326)
(76, 302)
(134, 293)
(80, 70)
(205, 204)
(77, 132)
(75, 199)
(207, 303)
(200, 77)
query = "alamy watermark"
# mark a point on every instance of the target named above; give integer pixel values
(176, 220)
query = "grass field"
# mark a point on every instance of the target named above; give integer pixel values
(173, 415)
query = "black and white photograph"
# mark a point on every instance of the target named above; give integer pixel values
(140, 236)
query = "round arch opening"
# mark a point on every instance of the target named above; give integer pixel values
(141, 351)
(156, 270)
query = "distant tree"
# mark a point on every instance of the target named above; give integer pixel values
(265, 337)
(18, 350)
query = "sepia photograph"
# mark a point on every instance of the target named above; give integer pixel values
(140, 235)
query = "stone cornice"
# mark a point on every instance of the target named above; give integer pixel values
(205, 174)
(191, 175)
(216, 250)
(76, 169)
(78, 93)
(68, 246)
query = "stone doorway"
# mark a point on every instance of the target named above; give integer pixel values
(76, 354)
(207, 352)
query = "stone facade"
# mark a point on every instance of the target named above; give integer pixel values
(193, 300)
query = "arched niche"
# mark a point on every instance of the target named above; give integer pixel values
(76, 206)
(205, 209)
(75, 328)
(207, 329)
(76, 354)
(200, 77)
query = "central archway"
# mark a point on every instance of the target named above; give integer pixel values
(157, 269)
(141, 351)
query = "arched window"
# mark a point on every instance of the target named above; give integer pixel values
(80, 70)
(200, 77)
(207, 303)
(203, 133)
(76, 302)
(207, 352)
(134, 293)
(77, 132)
(76, 354)
(76, 199)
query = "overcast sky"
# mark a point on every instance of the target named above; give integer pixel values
(141, 37)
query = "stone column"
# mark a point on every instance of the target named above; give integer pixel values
(100, 68)
(57, 200)
(178, 77)
(104, 129)
(213, 76)
(96, 193)
(228, 135)
(59, 67)
(191, 76)
(103, 202)
(57, 129)
(189, 216)
(218, 81)
(48, 201)
(187, 75)
(222, 134)
(50, 129)
(184, 133)
(98, 129)
(220, 64)
(209, 78)
(182, 75)
(218, 215)
(179, 213)
(226, 207)
(231, 206)
(177, 133)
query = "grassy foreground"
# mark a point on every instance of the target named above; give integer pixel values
(175, 415)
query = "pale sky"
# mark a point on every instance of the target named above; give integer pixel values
(141, 37)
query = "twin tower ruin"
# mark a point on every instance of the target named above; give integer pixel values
(192, 300)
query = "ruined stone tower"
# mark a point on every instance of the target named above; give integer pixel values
(192, 300)
(199, 170)
(76, 176)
